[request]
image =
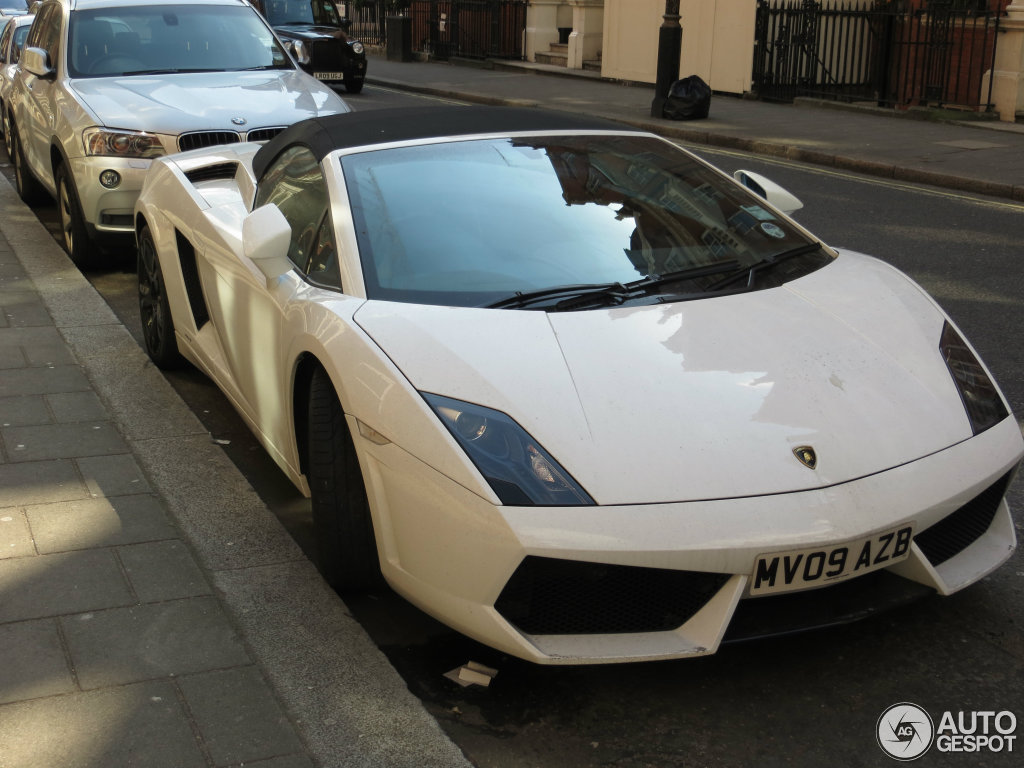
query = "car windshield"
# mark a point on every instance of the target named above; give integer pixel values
(13, 6)
(495, 222)
(322, 12)
(156, 39)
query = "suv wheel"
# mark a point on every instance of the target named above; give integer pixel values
(8, 144)
(29, 188)
(72, 223)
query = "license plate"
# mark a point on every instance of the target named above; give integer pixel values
(803, 568)
(330, 75)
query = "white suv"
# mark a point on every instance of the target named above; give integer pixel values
(105, 86)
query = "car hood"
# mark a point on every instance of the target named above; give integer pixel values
(703, 399)
(310, 32)
(173, 104)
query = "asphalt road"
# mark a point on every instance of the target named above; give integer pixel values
(810, 699)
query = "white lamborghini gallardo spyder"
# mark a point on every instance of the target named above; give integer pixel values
(571, 390)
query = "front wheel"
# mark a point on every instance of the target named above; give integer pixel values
(30, 190)
(154, 307)
(341, 512)
(77, 242)
(8, 142)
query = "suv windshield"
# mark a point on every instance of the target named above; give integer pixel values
(559, 222)
(324, 12)
(106, 42)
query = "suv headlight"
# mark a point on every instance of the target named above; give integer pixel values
(981, 399)
(114, 143)
(518, 469)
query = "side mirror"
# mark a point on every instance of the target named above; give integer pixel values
(266, 237)
(769, 190)
(35, 61)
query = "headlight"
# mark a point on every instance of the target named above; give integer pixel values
(357, 46)
(519, 471)
(111, 143)
(300, 51)
(981, 399)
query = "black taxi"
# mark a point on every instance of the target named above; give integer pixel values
(317, 34)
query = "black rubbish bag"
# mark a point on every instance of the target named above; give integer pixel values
(688, 99)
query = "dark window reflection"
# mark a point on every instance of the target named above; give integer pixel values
(466, 223)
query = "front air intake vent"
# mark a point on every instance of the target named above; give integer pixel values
(201, 139)
(957, 531)
(212, 172)
(546, 596)
(190, 274)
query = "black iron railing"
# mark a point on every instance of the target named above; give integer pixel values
(892, 52)
(477, 29)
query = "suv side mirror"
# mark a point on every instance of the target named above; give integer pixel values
(266, 237)
(36, 61)
(766, 188)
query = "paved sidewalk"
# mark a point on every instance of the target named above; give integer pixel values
(985, 157)
(152, 611)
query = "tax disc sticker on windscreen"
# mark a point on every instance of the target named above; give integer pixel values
(772, 230)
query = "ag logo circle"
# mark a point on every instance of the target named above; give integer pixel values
(905, 731)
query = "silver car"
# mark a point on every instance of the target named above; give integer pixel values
(106, 86)
(12, 39)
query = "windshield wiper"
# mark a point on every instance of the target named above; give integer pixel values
(167, 71)
(767, 262)
(578, 296)
(521, 299)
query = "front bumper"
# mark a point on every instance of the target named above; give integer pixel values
(453, 554)
(109, 212)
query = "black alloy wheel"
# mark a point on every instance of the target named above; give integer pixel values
(154, 308)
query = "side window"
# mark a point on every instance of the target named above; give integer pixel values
(5, 41)
(19, 42)
(323, 263)
(45, 31)
(295, 183)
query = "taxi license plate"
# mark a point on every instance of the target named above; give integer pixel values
(330, 75)
(803, 568)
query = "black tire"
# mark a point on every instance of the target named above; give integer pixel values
(154, 308)
(352, 85)
(341, 513)
(8, 143)
(77, 242)
(29, 189)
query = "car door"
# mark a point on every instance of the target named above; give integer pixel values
(248, 310)
(37, 108)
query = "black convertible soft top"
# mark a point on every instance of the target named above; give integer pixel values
(323, 135)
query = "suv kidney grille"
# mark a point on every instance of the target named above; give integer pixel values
(263, 134)
(201, 139)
